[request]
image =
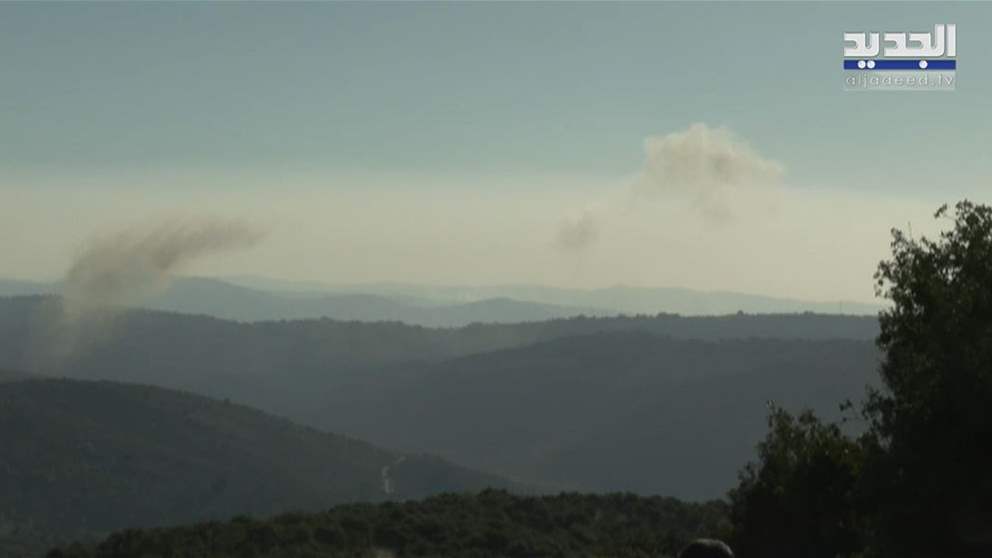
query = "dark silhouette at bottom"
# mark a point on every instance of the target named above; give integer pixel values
(706, 548)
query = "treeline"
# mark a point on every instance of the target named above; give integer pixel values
(488, 524)
(917, 483)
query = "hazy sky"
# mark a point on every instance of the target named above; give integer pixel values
(486, 143)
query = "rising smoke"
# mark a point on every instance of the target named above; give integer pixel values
(124, 268)
(709, 168)
(709, 172)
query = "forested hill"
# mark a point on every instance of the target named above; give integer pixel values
(491, 524)
(608, 411)
(88, 457)
(589, 404)
(30, 326)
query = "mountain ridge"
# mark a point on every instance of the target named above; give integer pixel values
(599, 411)
(87, 457)
(625, 299)
(349, 376)
(441, 306)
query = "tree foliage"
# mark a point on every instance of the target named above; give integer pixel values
(488, 524)
(798, 500)
(931, 435)
(917, 482)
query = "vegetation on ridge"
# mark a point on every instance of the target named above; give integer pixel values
(488, 524)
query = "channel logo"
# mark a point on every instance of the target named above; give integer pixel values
(901, 60)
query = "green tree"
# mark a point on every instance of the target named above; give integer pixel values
(928, 484)
(798, 500)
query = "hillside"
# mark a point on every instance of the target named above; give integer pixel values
(611, 411)
(90, 457)
(30, 327)
(490, 524)
(513, 399)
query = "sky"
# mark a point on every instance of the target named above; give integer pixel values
(485, 143)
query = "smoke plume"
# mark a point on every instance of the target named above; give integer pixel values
(123, 269)
(708, 167)
(706, 173)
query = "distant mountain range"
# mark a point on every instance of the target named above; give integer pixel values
(229, 301)
(662, 404)
(81, 458)
(618, 299)
(255, 299)
(212, 297)
(17, 287)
